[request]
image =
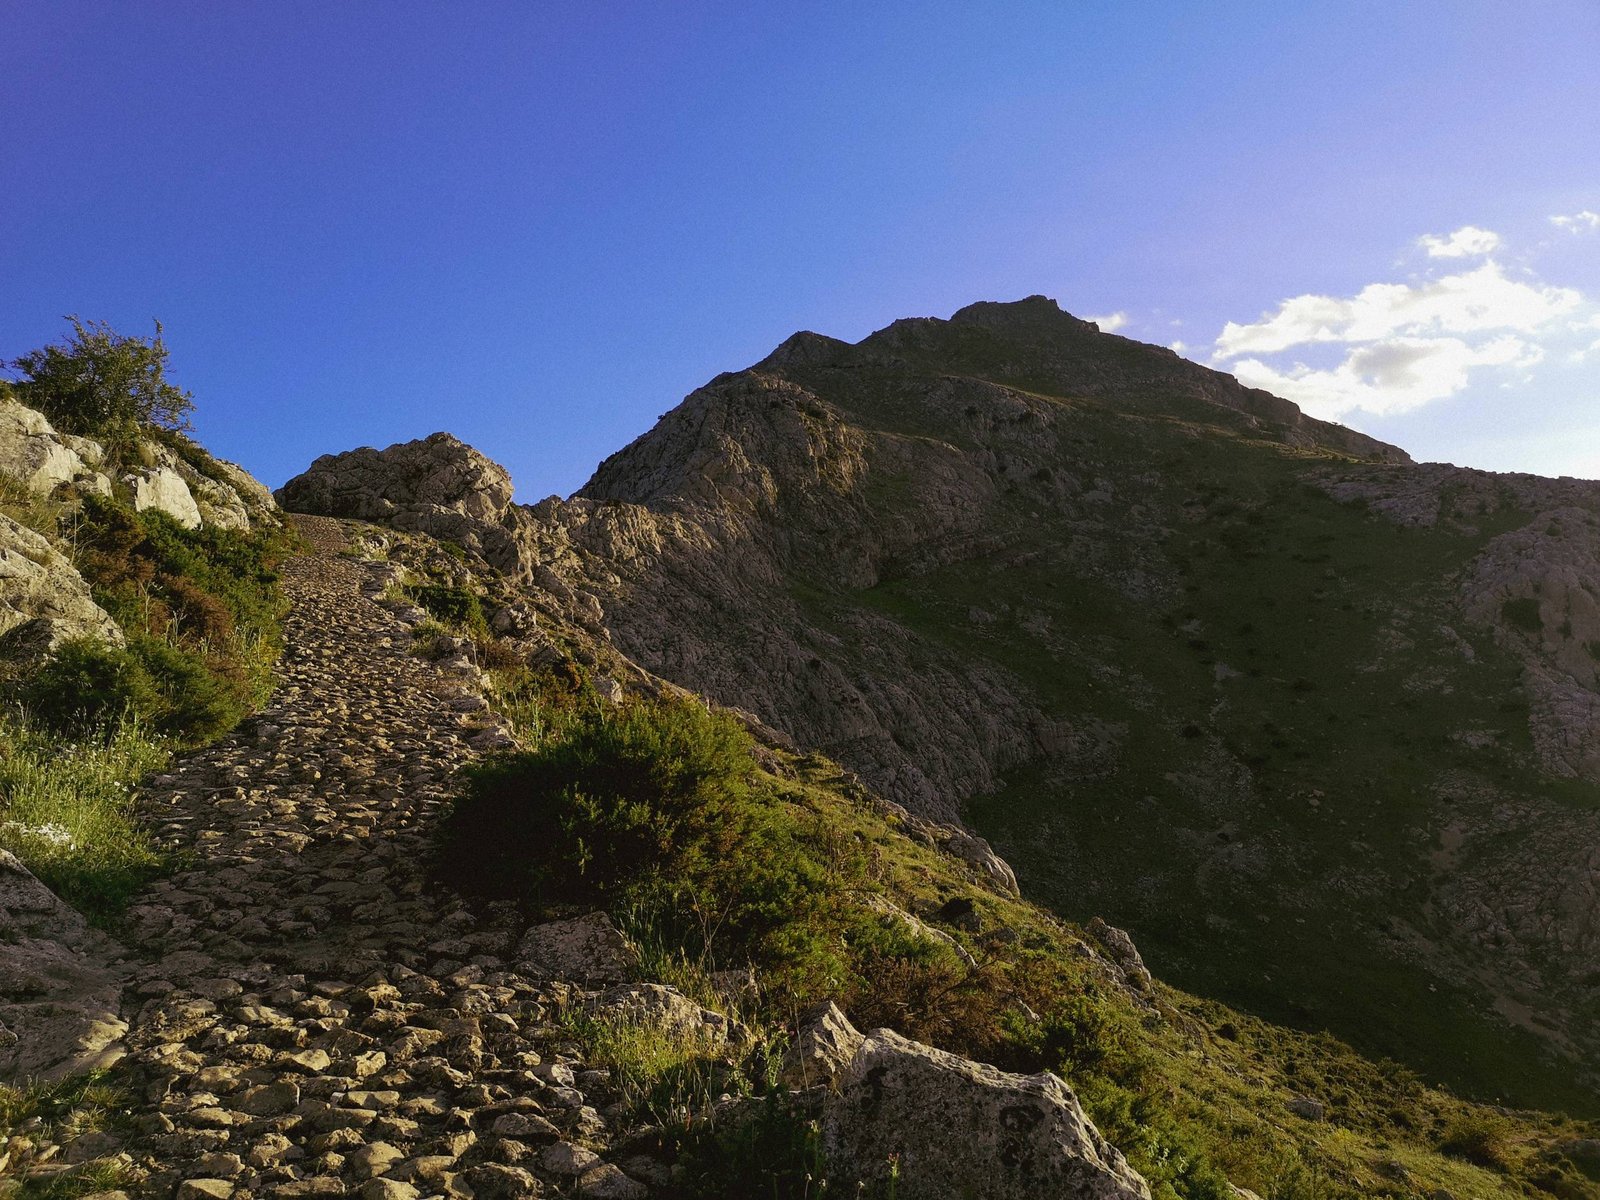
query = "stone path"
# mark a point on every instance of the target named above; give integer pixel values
(314, 1018)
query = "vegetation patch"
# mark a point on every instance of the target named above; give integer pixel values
(718, 854)
(62, 1111)
(66, 810)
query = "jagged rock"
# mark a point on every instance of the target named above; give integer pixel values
(977, 852)
(823, 1047)
(587, 948)
(1119, 946)
(34, 455)
(60, 985)
(435, 485)
(43, 599)
(1021, 1136)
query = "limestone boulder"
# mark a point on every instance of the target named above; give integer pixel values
(436, 485)
(60, 984)
(159, 484)
(43, 599)
(954, 1129)
(34, 455)
(823, 1047)
(587, 949)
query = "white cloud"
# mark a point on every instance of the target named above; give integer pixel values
(1467, 242)
(1395, 347)
(1178, 347)
(1476, 301)
(1578, 222)
(1394, 375)
(1110, 324)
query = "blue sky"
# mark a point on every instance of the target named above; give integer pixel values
(540, 225)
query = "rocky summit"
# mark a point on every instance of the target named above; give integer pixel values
(992, 759)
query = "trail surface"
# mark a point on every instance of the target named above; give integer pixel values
(314, 1017)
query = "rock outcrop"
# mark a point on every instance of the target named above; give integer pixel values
(60, 984)
(947, 1128)
(42, 460)
(43, 599)
(1010, 558)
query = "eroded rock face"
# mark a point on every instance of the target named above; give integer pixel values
(60, 987)
(954, 1129)
(43, 599)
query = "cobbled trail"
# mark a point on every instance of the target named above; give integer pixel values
(315, 1018)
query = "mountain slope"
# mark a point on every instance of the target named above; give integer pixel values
(1313, 721)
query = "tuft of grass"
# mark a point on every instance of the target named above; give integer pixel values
(66, 810)
(61, 1111)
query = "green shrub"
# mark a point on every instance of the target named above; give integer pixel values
(89, 686)
(66, 810)
(99, 383)
(1523, 613)
(1480, 1138)
(457, 607)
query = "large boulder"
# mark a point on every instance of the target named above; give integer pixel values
(436, 485)
(954, 1129)
(60, 985)
(43, 599)
(34, 455)
(587, 949)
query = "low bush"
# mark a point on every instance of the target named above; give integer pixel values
(456, 607)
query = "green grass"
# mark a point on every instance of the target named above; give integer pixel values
(62, 1111)
(66, 810)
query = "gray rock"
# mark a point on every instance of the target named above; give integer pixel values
(1020, 1136)
(587, 949)
(435, 485)
(161, 486)
(204, 1189)
(60, 991)
(1309, 1108)
(822, 1049)
(563, 1158)
(1121, 950)
(496, 1181)
(607, 1182)
(43, 599)
(37, 457)
(388, 1189)
(666, 1007)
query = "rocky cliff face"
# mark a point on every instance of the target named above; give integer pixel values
(1316, 722)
